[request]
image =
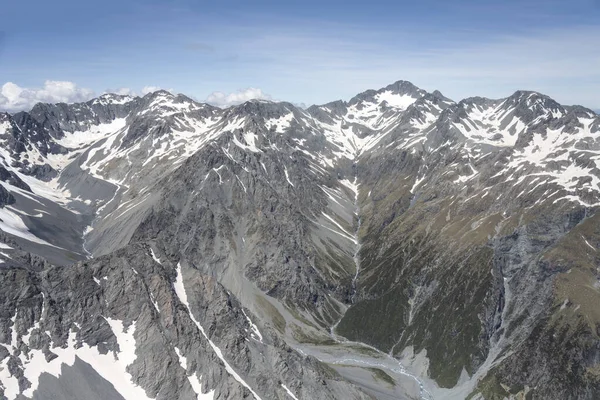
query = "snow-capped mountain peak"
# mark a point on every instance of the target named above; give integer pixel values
(133, 141)
(112, 98)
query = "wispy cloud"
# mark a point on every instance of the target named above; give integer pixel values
(333, 61)
(201, 47)
(317, 52)
(313, 66)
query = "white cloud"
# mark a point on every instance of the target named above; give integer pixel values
(228, 99)
(16, 98)
(149, 89)
(123, 91)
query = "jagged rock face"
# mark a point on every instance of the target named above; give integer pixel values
(133, 313)
(56, 119)
(397, 245)
(6, 198)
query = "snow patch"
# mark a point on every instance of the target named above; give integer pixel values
(255, 332)
(154, 256)
(111, 366)
(197, 386)
(250, 139)
(280, 124)
(78, 139)
(588, 243)
(182, 358)
(417, 183)
(287, 177)
(395, 100)
(193, 379)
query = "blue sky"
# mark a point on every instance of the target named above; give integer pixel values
(306, 52)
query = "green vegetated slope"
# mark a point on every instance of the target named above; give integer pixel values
(444, 270)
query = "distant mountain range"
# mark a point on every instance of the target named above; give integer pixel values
(396, 245)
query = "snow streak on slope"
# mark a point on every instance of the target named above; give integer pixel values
(11, 223)
(168, 148)
(181, 293)
(289, 392)
(359, 126)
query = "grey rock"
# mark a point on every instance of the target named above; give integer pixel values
(454, 247)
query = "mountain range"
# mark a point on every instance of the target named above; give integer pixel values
(397, 245)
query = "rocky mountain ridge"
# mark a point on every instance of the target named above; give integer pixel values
(397, 245)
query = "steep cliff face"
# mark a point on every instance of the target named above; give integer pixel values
(397, 245)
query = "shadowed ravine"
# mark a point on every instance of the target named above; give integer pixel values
(350, 355)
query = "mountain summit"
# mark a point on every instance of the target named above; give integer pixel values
(396, 245)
